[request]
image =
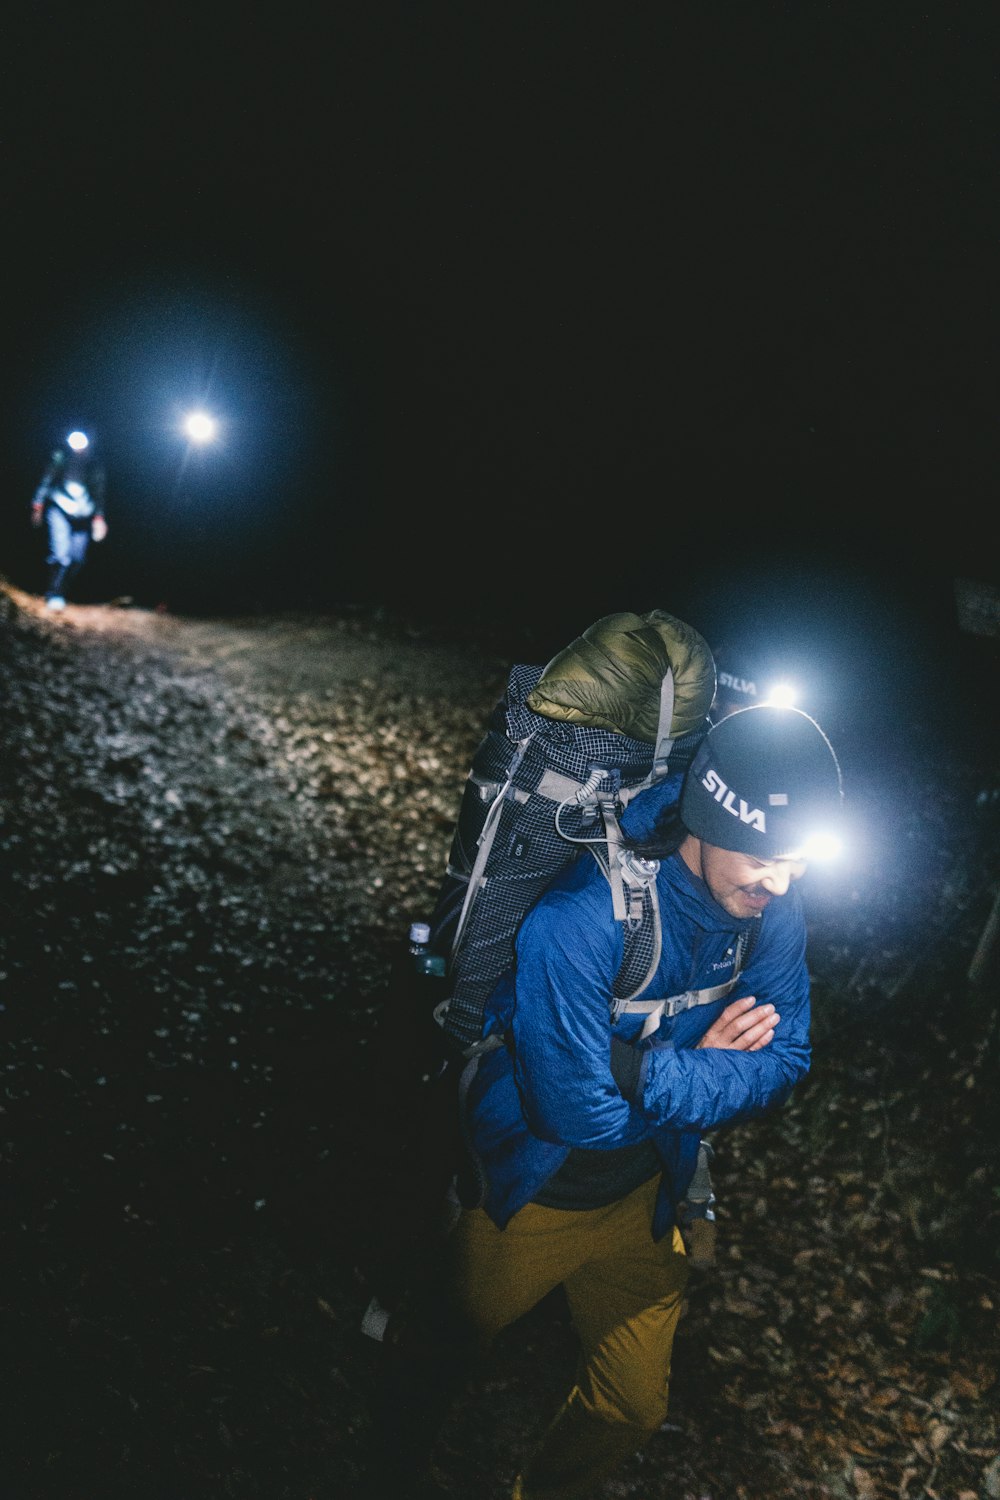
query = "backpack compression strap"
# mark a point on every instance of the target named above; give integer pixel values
(626, 892)
(486, 838)
(664, 740)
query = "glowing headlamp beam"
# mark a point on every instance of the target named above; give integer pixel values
(822, 847)
(781, 695)
(200, 427)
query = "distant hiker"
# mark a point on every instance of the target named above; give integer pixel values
(69, 502)
(587, 1121)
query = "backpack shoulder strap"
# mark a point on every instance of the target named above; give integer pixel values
(636, 905)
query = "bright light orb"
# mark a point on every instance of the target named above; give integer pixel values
(78, 441)
(200, 427)
(822, 847)
(782, 695)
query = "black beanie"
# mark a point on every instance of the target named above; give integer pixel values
(737, 679)
(763, 781)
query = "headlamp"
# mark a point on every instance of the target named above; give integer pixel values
(822, 847)
(781, 695)
(200, 427)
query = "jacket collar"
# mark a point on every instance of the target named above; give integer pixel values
(696, 900)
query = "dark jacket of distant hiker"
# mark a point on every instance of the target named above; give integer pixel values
(69, 501)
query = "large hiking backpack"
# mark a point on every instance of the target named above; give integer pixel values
(610, 723)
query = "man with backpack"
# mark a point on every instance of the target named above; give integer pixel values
(586, 1123)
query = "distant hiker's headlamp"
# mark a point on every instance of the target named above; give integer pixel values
(200, 427)
(78, 441)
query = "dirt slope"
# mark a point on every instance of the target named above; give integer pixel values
(213, 834)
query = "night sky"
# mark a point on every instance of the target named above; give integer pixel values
(528, 312)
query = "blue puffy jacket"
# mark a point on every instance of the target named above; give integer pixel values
(551, 1087)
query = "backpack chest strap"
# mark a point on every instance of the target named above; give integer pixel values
(656, 1010)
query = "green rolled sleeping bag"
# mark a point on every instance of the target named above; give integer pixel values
(610, 676)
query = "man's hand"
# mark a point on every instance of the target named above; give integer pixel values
(36, 513)
(98, 528)
(741, 1027)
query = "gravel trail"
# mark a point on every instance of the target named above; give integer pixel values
(213, 834)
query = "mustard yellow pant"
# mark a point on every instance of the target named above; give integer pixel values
(624, 1295)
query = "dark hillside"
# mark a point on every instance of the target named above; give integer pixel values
(213, 834)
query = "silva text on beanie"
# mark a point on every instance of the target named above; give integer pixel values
(765, 782)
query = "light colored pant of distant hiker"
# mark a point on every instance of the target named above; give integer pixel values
(68, 544)
(624, 1296)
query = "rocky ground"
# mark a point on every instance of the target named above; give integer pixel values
(214, 834)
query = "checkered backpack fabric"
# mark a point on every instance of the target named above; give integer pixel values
(519, 794)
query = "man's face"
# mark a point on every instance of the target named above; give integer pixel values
(743, 885)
